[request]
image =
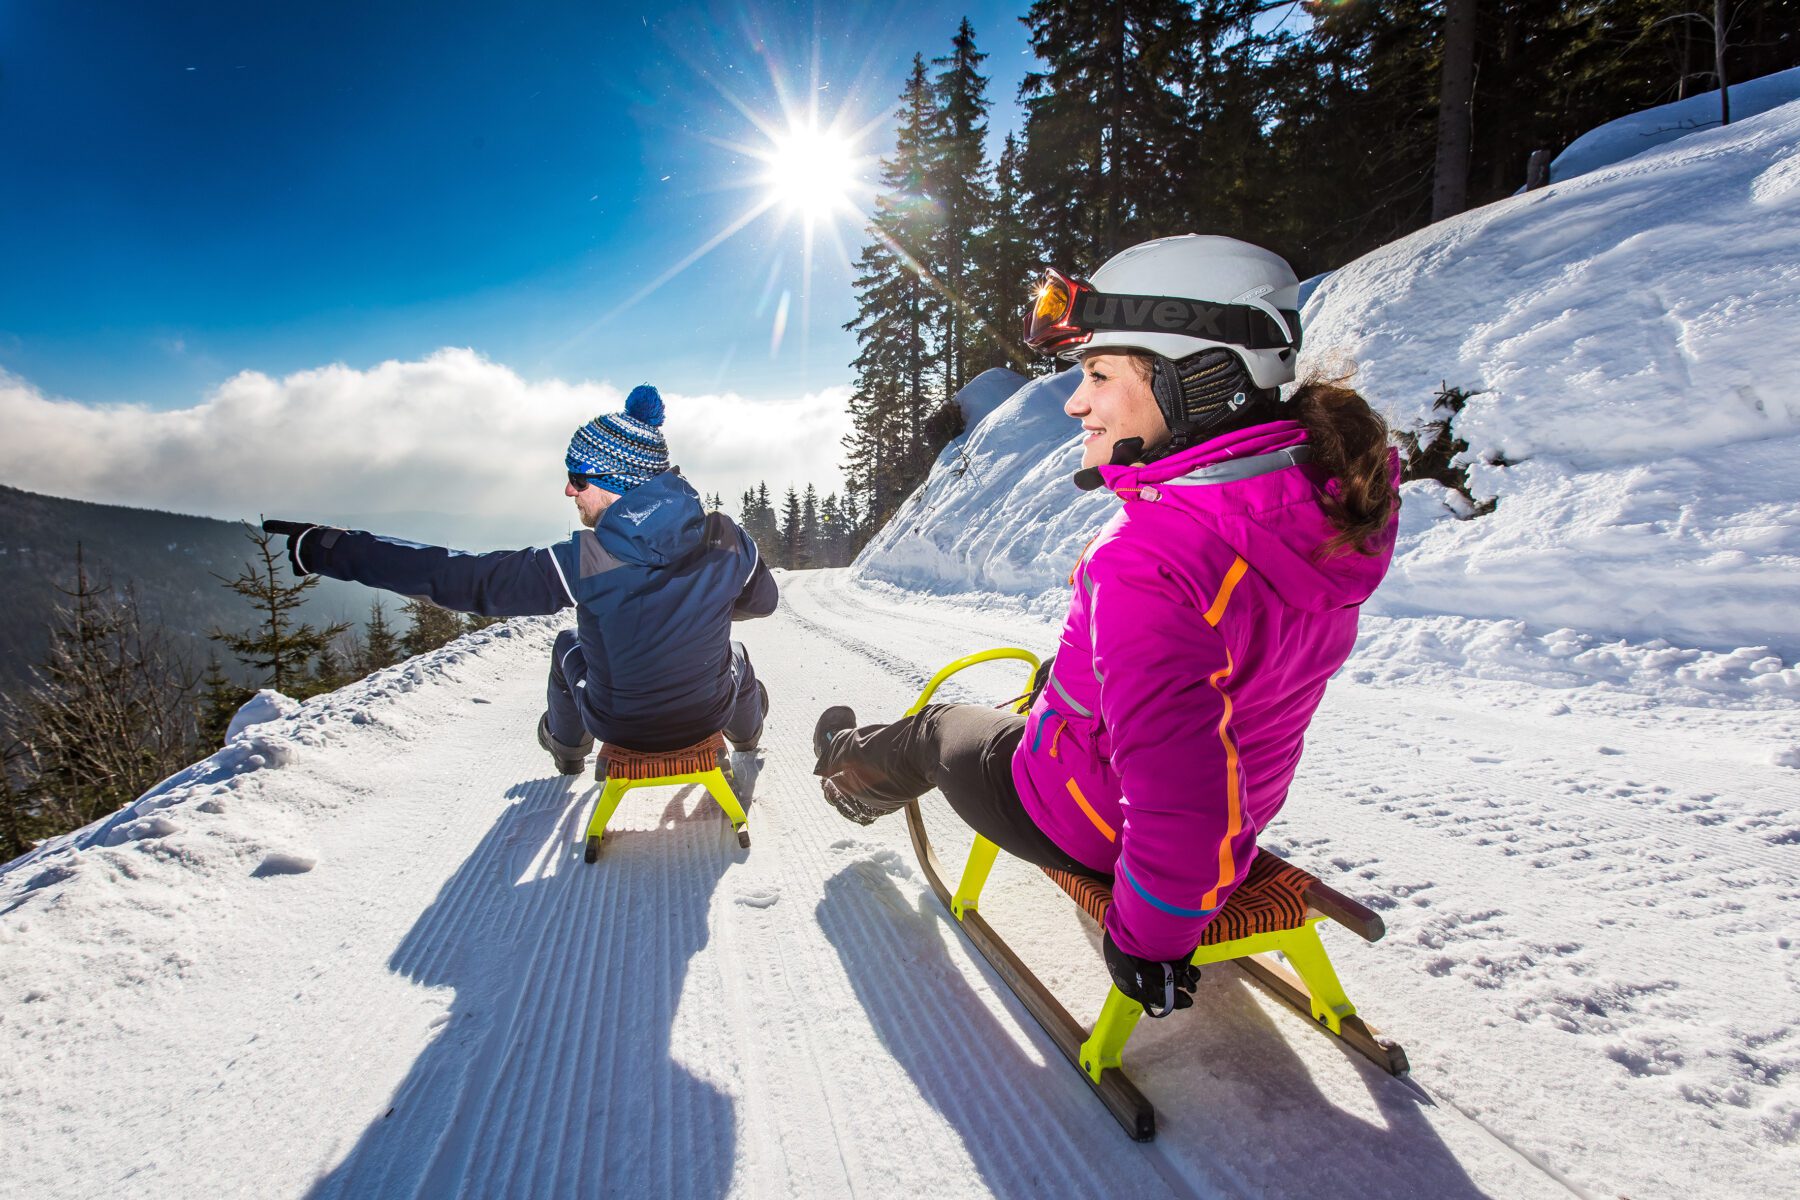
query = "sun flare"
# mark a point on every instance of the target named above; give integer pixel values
(811, 171)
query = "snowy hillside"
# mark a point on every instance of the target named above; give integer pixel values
(1628, 340)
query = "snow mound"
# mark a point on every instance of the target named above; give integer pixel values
(267, 705)
(986, 392)
(1625, 338)
(1626, 137)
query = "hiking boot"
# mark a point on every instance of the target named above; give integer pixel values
(832, 721)
(749, 744)
(569, 759)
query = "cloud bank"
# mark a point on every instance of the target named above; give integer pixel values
(452, 443)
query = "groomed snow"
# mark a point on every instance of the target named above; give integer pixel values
(356, 953)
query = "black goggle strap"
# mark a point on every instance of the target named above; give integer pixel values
(1237, 324)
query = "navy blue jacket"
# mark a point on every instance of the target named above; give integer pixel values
(656, 587)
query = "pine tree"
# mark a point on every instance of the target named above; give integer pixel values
(792, 532)
(276, 644)
(956, 178)
(897, 385)
(1105, 123)
(110, 712)
(1007, 259)
(809, 529)
(428, 626)
(220, 699)
(380, 648)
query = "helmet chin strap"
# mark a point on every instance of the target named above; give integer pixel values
(1205, 394)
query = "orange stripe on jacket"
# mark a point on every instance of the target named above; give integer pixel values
(1234, 800)
(1093, 816)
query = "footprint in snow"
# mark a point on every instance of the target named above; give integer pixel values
(759, 897)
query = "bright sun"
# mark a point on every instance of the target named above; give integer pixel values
(811, 171)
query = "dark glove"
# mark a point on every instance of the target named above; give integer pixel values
(1161, 987)
(295, 530)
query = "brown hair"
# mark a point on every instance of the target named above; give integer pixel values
(1349, 441)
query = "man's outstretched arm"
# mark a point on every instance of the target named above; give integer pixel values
(500, 583)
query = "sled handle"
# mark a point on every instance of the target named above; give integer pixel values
(971, 660)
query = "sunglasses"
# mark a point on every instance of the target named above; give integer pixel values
(580, 482)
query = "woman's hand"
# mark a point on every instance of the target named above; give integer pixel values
(1161, 987)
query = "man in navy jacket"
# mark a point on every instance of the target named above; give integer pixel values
(656, 582)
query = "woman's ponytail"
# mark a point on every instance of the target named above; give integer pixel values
(1350, 441)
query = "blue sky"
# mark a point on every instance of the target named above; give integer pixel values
(191, 191)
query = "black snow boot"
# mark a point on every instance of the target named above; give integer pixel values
(833, 721)
(749, 744)
(841, 788)
(569, 759)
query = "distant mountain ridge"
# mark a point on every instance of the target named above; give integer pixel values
(171, 559)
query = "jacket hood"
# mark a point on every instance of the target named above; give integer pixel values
(654, 524)
(1272, 519)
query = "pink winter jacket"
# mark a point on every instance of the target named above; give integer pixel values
(1200, 635)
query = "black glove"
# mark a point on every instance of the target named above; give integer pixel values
(295, 530)
(1161, 987)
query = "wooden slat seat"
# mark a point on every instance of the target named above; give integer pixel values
(1275, 895)
(625, 763)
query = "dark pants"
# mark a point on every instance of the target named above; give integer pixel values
(963, 750)
(566, 664)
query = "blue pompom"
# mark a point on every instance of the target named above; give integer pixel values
(645, 404)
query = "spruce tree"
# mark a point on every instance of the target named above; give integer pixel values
(220, 699)
(793, 548)
(1007, 260)
(380, 648)
(1105, 123)
(428, 626)
(277, 644)
(956, 178)
(897, 382)
(111, 708)
(809, 529)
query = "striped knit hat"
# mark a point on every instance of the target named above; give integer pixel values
(619, 451)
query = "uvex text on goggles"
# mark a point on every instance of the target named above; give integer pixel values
(1067, 311)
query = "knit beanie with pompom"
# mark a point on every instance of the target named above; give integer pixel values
(620, 451)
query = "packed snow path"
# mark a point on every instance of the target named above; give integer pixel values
(358, 954)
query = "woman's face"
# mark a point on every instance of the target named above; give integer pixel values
(1114, 401)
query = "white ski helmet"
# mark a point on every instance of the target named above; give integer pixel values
(1214, 270)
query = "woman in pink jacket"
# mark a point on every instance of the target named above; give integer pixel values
(1206, 618)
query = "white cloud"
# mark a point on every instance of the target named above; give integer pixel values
(453, 436)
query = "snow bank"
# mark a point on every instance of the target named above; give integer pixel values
(1629, 336)
(1628, 339)
(1619, 140)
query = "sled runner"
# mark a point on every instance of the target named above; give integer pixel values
(704, 763)
(1275, 910)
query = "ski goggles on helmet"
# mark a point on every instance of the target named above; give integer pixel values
(1067, 312)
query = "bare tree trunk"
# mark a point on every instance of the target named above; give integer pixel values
(1456, 91)
(1720, 36)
